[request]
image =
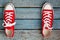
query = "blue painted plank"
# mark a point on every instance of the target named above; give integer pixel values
(4, 2)
(34, 13)
(31, 13)
(31, 24)
(34, 24)
(35, 3)
(1, 13)
(30, 3)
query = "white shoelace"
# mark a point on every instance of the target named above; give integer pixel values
(8, 18)
(47, 20)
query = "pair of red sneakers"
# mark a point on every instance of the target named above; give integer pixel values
(9, 19)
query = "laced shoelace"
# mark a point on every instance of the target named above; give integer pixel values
(8, 18)
(47, 19)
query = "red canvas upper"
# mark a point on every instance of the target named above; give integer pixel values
(9, 21)
(47, 19)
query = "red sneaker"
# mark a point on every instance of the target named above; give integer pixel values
(47, 19)
(9, 19)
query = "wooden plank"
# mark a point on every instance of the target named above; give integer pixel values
(1, 13)
(31, 13)
(30, 3)
(30, 35)
(34, 24)
(31, 24)
(34, 13)
(35, 3)
(4, 2)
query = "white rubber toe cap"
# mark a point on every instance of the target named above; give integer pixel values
(9, 6)
(47, 6)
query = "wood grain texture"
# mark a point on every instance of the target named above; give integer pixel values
(30, 35)
(31, 24)
(35, 3)
(34, 24)
(31, 13)
(4, 2)
(34, 13)
(30, 3)
(28, 15)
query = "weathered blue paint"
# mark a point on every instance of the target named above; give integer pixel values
(31, 13)
(31, 24)
(34, 13)
(4, 2)
(30, 18)
(35, 3)
(29, 3)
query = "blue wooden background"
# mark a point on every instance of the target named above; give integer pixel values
(28, 19)
(28, 13)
